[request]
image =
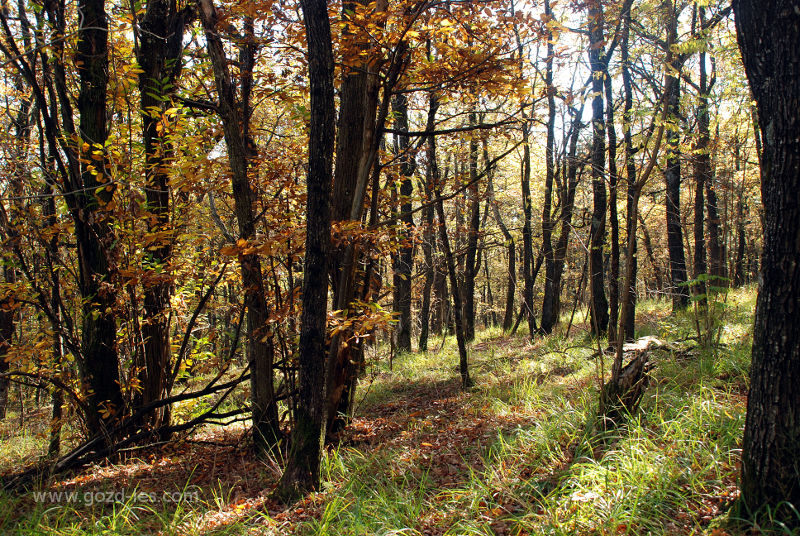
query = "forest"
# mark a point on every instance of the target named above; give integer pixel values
(424, 267)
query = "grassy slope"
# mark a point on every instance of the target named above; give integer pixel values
(508, 457)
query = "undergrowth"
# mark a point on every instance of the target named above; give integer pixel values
(508, 457)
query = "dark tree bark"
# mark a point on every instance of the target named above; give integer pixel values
(702, 170)
(441, 302)
(159, 57)
(472, 264)
(551, 286)
(360, 131)
(427, 290)
(511, 287)
(302, 470)
(628, 311)
(739, 278)
(651, 256)
(463, 361)
(567, 194)
(700, 267)
(94, 233)
(429, 240)
(440, 319)
(527, 234)
(490, 314)
(404, 260)
(716, 250)
(769, 39)
(10, 230)
(81, 167)
(599, 305)
(7, 314)
(613, 217)
(52, 260)
(620, 396)
(672, 178)
(235, 120)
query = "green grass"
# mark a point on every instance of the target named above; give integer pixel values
(510, 456)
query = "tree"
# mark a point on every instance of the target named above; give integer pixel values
(511, 287)
(159, 56)
(235, 115)
(404, 260)
(702, 169)
(458, 311)
(7, 314)
(305, 448)
(429, 240)
(551, 285)
(771, 444)
(472, 265)
(362, 114)
(628, 312)
(599, 305)
(82, 173)
(528, 276)
(672, 172)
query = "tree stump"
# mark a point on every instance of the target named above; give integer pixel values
(621, 395)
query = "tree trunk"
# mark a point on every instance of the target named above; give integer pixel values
(404, 260)
(302, 472)
(741, 242)
(527, 233)
(672, 177)
(648, 247)
(613, 217)
(599, 305)
(159, 57)
(56, 323)
(716, 250)
(94, 233)
(82, 169)
(441, 302)
(551, 286)
(771, 444)
(569, 189)
(490, 315)
(361, 120)
(508, 315)
(702, 171)
(463, 362)
(472, 264)
(429, 240)
(7, 313)
(427, 248)
(235, 121)
(629, 295)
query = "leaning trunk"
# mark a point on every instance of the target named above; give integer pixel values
(235, 114)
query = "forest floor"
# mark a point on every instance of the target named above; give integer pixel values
(423, 457)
